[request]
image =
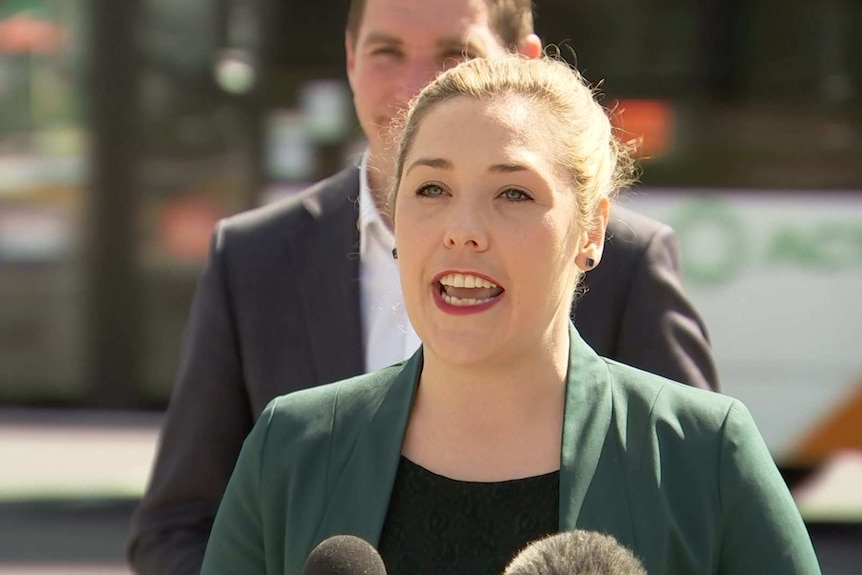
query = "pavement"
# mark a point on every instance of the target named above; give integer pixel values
(69, 480)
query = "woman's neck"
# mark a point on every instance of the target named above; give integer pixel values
(489, 424)
(509, 388)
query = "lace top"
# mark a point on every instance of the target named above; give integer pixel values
(440, 526)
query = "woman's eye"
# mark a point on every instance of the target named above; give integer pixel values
(430, 191)
(515, 195)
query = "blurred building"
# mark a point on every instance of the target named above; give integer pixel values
(127, 129)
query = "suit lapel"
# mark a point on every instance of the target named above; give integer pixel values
(593, 474)
(326, 258)
(359, 500)
(588, 411)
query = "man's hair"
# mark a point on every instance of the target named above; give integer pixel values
(511, 20)
(576, 552)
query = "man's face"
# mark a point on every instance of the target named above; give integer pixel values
(401, 45)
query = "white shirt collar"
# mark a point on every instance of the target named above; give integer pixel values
(386, 329)
(371, 224)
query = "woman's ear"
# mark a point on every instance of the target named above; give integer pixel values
(593, 245)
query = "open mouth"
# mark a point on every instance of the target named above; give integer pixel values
(467, 290)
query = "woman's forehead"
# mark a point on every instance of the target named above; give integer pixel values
(503, 125)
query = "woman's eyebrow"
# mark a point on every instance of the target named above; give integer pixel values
(508, 168)
(439, 163)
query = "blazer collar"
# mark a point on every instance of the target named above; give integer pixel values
(360, 501)
(325, 257)
(588, 413)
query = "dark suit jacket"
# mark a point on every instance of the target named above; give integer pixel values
(277, 310)
(679, 476)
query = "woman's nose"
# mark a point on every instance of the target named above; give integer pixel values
(466, 229)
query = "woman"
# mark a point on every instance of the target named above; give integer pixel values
(506, 426)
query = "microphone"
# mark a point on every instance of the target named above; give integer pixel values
(577, 552)
(344, 555)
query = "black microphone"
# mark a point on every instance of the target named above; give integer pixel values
(344, 555)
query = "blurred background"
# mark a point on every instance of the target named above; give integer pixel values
(127, 129)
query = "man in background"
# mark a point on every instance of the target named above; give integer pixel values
(305, 291)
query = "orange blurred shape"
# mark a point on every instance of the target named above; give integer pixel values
(24, 34)
(650, 121)
(185, 227)
(842, 430)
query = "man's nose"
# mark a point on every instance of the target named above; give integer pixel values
(418, 75)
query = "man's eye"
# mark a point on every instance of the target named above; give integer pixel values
(515, 195)
(386, 51)
(430, 191)
(455, 57)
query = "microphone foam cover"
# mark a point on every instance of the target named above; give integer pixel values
(344, 555)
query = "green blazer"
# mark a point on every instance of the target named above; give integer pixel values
(679, 475)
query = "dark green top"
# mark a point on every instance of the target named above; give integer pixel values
(678, 475)
(439, 525)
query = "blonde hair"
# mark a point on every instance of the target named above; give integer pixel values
(590, 158)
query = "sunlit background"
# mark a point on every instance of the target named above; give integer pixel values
(128, 128)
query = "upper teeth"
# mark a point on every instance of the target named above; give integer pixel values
(465, 281)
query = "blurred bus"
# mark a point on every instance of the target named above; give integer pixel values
(127, 129)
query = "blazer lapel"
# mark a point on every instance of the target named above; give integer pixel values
(588, 413)
(360, 498)
(326, 258)
(593, 475)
